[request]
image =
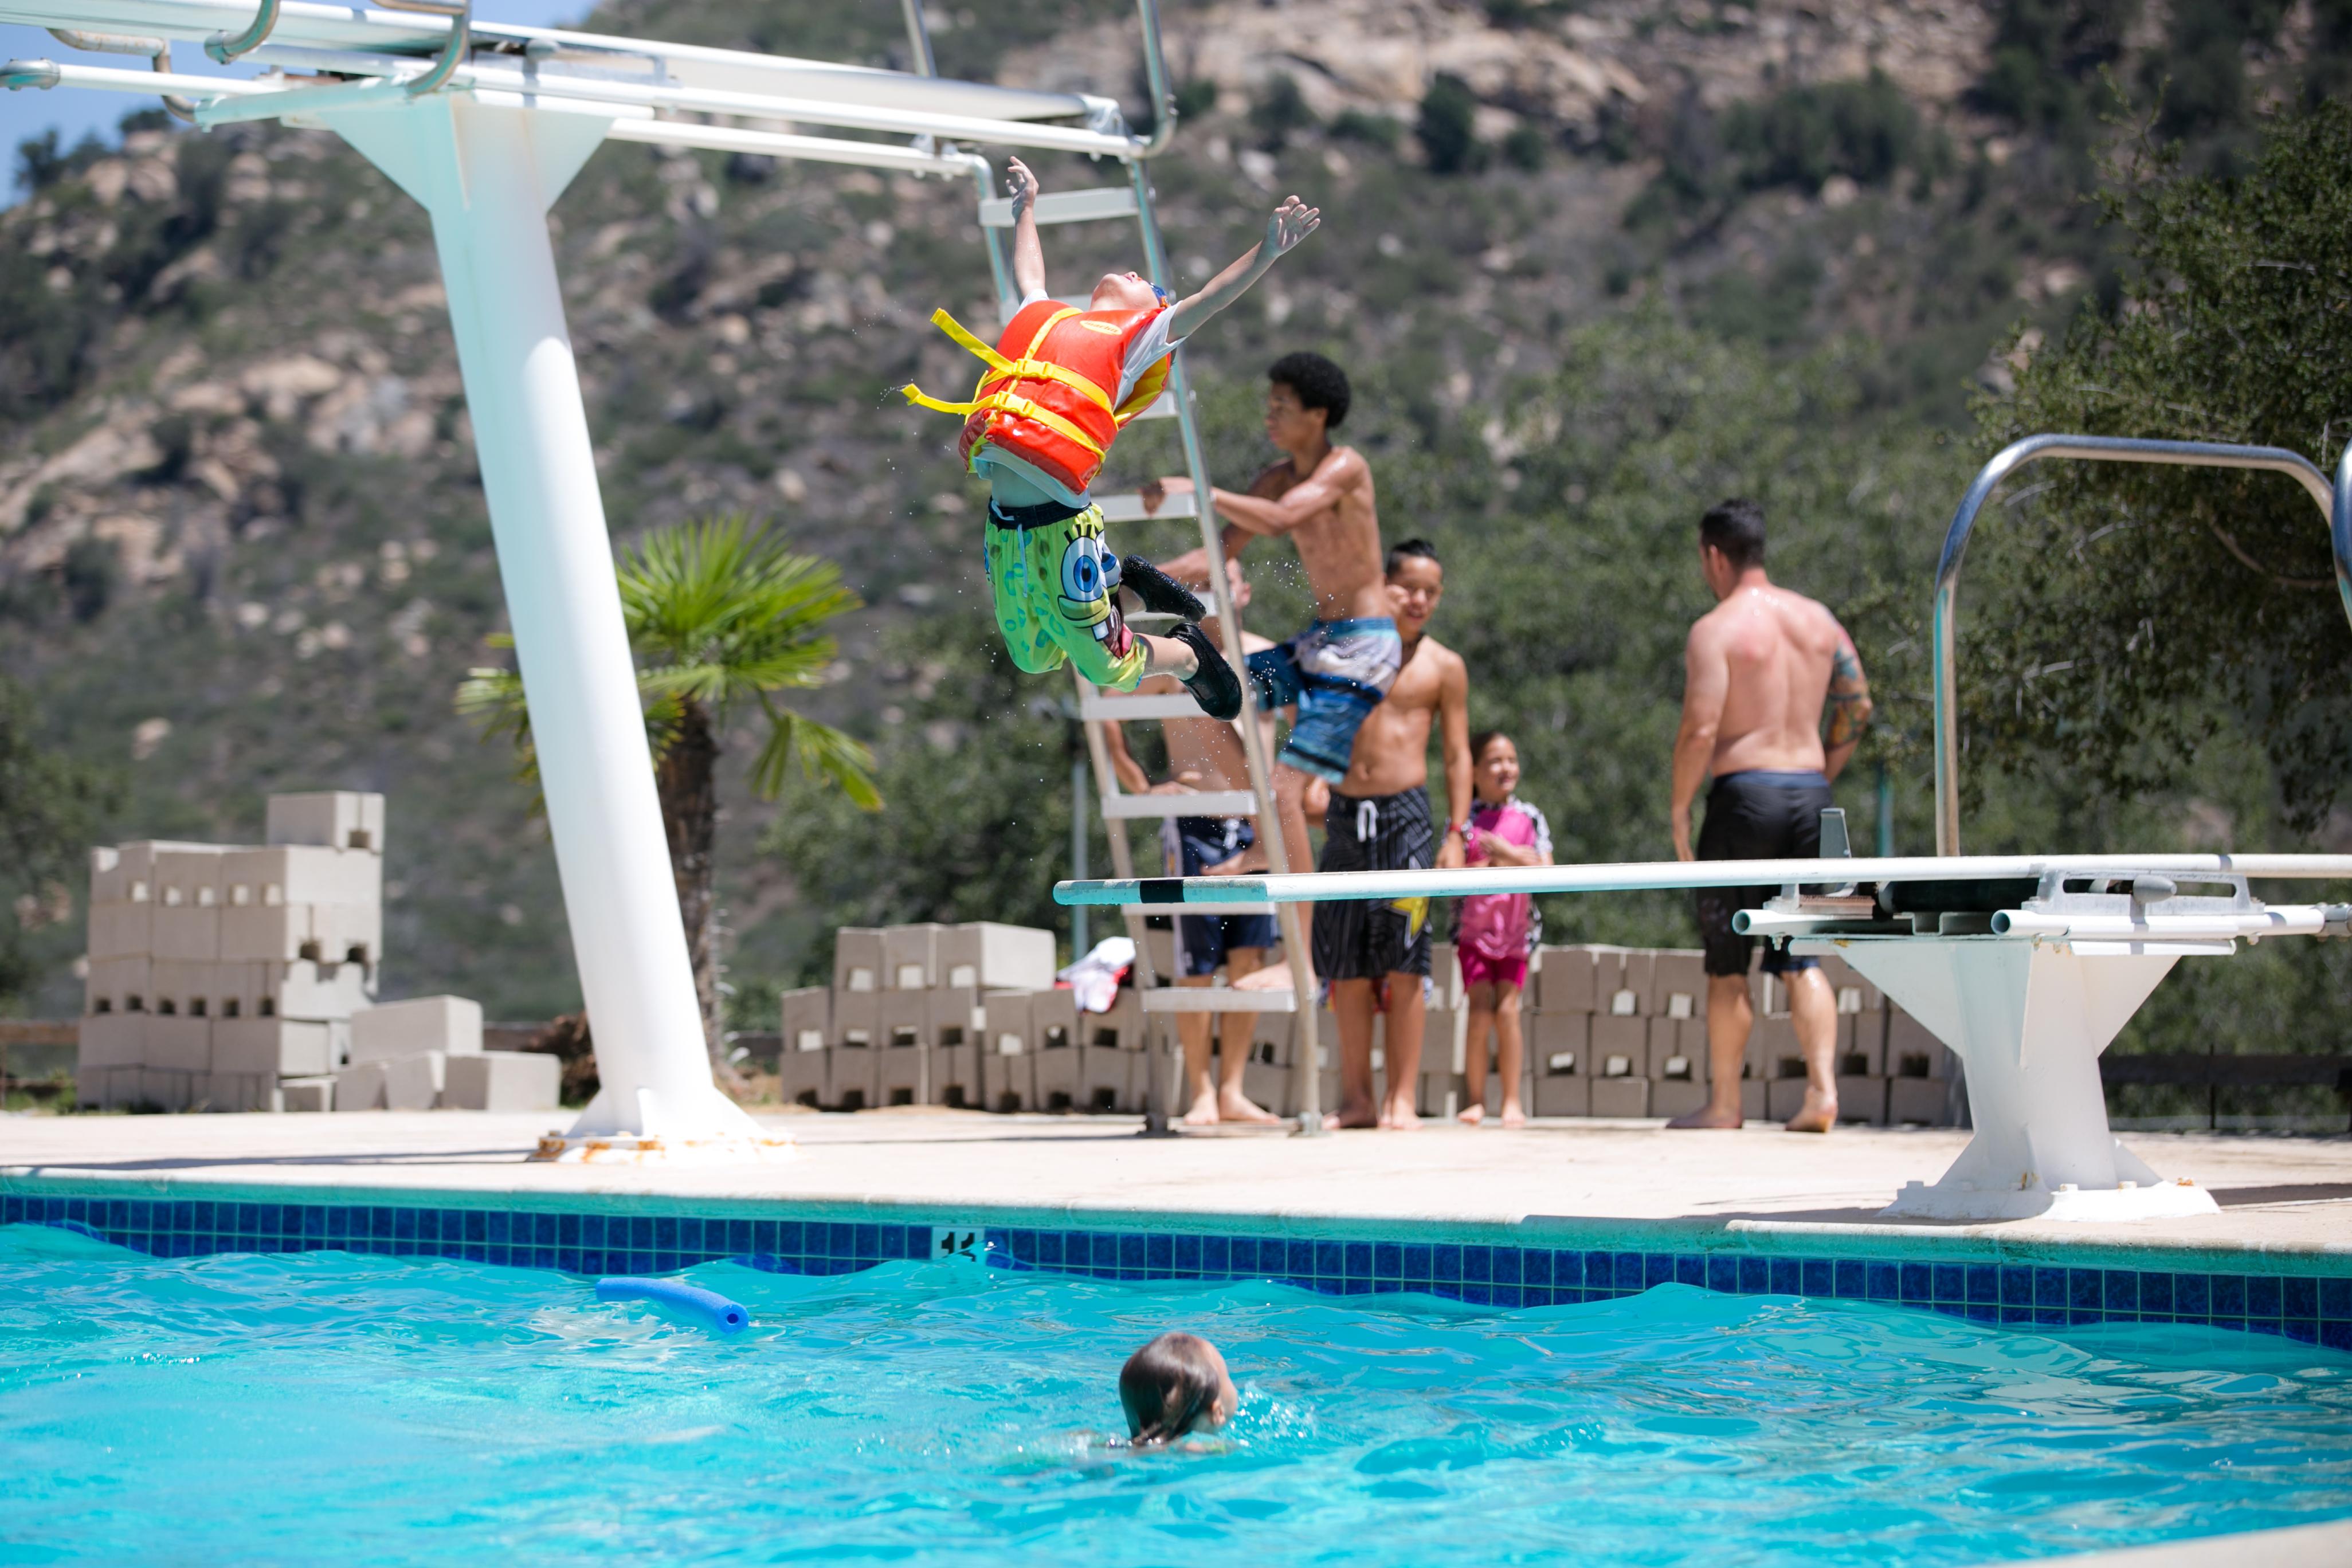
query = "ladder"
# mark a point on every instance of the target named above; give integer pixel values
(1098, 708)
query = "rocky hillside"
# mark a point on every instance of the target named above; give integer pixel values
(242, 542)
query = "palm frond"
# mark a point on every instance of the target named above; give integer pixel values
(825, 754)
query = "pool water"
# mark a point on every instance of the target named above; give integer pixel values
(327, 1407)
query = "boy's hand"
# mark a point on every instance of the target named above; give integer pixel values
(1293, 221)
(1154, 493)
(1023, 186)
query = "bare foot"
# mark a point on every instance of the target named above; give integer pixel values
(1512, 1115)
(1401, 1117)
(1273, 977)
(1351, 1115)
(1709, 1117)
(1818, 1114)
(1471, 1117)
(1204, 1112)
(1233, 1105)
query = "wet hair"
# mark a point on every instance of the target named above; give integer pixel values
(1319, 383)
(1484, 739)
(1736, 527)
(1404, 550)
(1167, 1388)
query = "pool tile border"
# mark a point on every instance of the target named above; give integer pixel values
(2310, 1308)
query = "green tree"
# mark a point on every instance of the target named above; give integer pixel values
(2128, 615)
(1448, 127)
(51, 811)
(721, 618)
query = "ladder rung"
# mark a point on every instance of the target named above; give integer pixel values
(1130, 508)
(1196, 909)
(1120, 708)
(1064, 207)
(1204, 803)
(1217, 999)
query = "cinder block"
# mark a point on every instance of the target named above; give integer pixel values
(1751, 1099)
(165, 1089)
(911, 956)
(233, 1092)
(451, 1026)
(1008, 1046)
(1774, 1049)
(1620, 1097)
(1676, 1097)
(902, 1019)
(1445, 973)
(1272, 1036)
(104, 1089)
(345, 934)
(853, 1074)
(301, 874)
(1664, 1047)
(112, 983)
(987, 955)
(1925, 1100)
(346, 819)
(1121, 1028)
(1567, 980)
(1267, 1086)
(1694, 1042)
(1862, 1045)
(502, 1080)
(902, 1058)
(265, 932)
(1562, 1094)
(1438, 1093)
(111, 1040)
(856, 960)
(304, 988)
(1160, 947)
(187, 932)
(177, 1044)
(181, 987)
(1678, 986)
(1561, 1043)
(280, 1047)
(126, 929)
(415, 1082)
(956, 1076)
(361, 1087)
(1912, 1049)
(802, 1067)
(108, 884)
(186, 917)
(804, 1019)
(306, 1094)
(1621, 1048)
(1640, 976)
(1862, 1100)
(952, 1015)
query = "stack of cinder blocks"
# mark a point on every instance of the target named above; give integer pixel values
(960, 1016)
(1622, 1032)
(219, 972)
(426, 1054)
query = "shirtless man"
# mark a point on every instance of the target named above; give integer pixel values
(1337, 670)
(1758, 668)
(1378, 820)
(1206, 754)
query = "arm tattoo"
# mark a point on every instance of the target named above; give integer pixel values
(1849, 699)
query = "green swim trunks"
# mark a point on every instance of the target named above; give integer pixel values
(1056, 586)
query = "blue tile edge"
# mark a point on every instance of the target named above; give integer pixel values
(2315, 1309)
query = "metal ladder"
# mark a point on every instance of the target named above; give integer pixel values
(1096, 707)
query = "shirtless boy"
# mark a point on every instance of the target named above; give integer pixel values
(1061, 385)
(1206, 754)
(1758, 668)
(1378, 820)
(1337, 669)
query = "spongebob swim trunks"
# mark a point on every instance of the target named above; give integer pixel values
(1056, 589)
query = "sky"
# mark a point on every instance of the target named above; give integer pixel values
(74, 111)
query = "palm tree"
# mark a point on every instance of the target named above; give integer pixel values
(720, 616)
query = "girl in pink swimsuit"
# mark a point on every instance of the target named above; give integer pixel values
(1494, 932)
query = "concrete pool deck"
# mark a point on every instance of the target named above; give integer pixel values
(2287, 1201)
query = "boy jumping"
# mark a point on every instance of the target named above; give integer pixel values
(1061, 385)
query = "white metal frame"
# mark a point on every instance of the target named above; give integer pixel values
(484, 125)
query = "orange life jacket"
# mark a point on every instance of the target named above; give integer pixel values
(1046, 396)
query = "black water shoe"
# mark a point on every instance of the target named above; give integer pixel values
(1160, 592)
(1214, 686)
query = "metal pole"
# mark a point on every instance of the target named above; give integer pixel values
(1078, 943)
(487, 176)
(919, 37)
(1885, 813)
(2335, 503)
(1294, 925)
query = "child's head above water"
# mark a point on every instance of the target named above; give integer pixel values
(1175, 1384)
(1495, 764)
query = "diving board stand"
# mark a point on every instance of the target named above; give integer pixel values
(2026, 966)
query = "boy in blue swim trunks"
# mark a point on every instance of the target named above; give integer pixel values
(1339, 668)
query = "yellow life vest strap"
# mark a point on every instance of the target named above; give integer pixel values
(1027, 368)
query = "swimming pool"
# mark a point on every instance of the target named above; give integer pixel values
(330, 1405)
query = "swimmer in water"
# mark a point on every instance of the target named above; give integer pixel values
(1174, 1385)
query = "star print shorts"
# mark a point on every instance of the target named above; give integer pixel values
(1367, 938)
(1055, 586)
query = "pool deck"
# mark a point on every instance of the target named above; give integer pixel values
(2284, 1201)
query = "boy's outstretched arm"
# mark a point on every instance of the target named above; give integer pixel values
(1028, 251)
(1291, 222)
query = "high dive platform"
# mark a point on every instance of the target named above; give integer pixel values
(484, 125)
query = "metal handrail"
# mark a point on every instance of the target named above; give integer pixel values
(461, 13)
(2336, 504)
(224, 49)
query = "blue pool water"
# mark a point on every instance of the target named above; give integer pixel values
(326, 1407)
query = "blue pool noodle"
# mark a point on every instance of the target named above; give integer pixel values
(714, 1311)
